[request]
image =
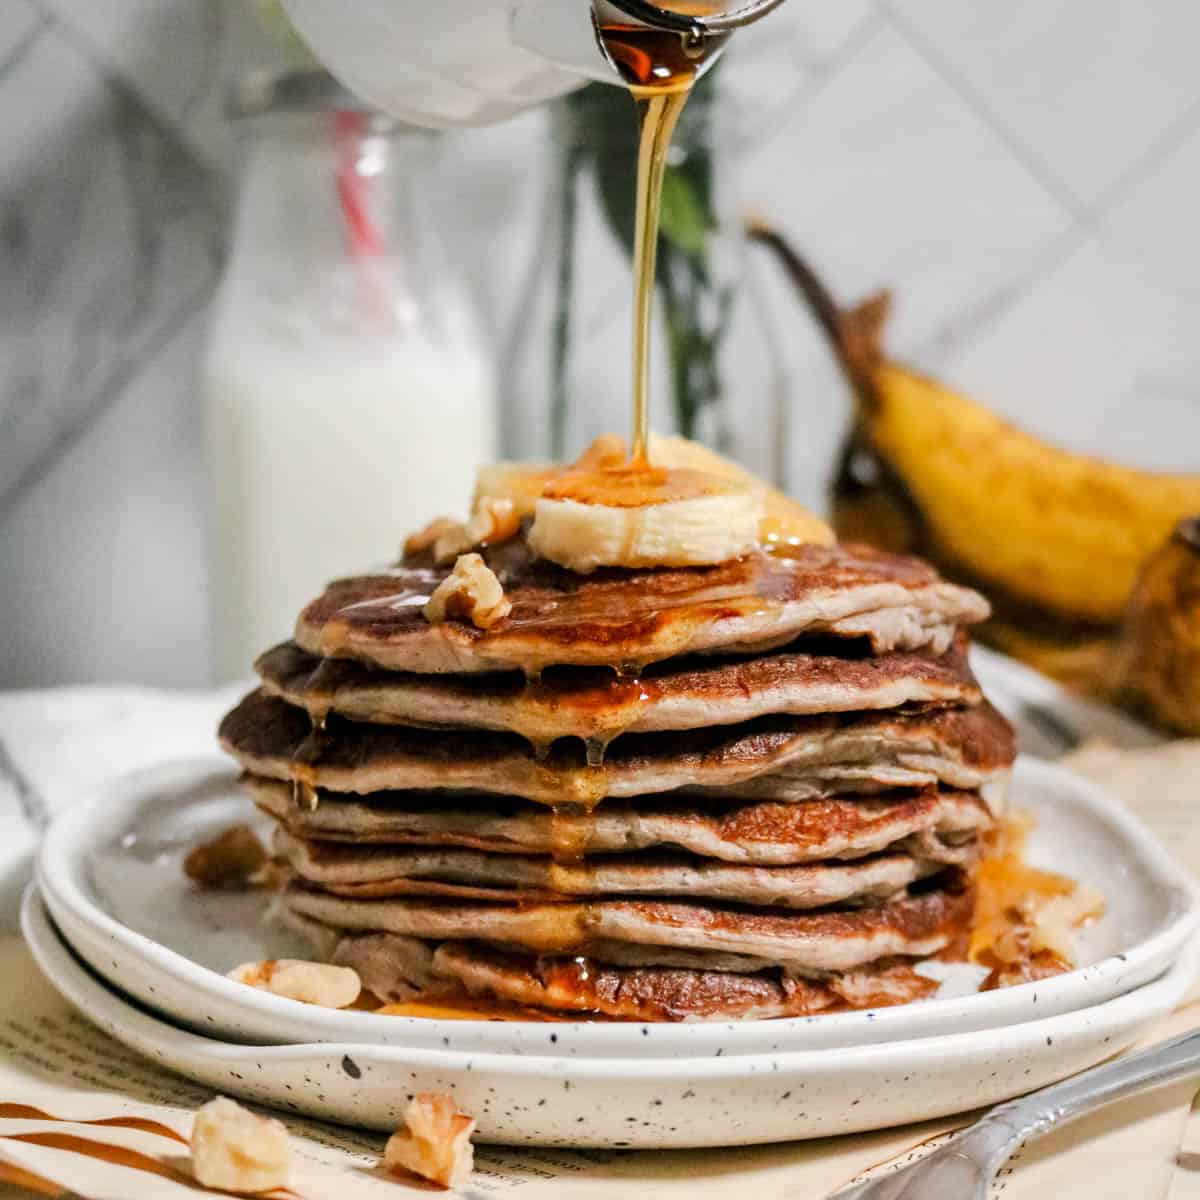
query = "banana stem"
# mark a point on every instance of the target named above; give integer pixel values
(853, 353)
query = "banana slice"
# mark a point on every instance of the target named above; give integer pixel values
(704, 509)
(786, 522)
(519, 482)
(524, 482)
(639, 517)
(705, 518)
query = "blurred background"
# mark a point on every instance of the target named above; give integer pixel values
(1022, 175)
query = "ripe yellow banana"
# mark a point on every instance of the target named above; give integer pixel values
(1059, 538)
(1156, 668)
(1068, 533)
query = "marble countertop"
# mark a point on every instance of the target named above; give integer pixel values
(61, 745)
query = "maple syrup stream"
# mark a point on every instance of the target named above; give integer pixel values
(660, 68)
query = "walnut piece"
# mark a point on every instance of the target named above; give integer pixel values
(237, 1151)
(471, 592)
(435, 1141)
(229, 860)
(424, 538)
(310, 982)
(494, 520)
(454, 541)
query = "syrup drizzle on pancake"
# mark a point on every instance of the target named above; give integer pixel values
(626, 619)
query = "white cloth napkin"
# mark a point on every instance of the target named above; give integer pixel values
(62, 745)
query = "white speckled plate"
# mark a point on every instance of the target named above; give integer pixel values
(1049, 719)
(110, 873)
(640, 1102)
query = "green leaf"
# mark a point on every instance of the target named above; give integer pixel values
(603, 128)
(602, 137)
(685, 220)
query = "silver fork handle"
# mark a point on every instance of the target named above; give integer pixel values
(1000, 1133)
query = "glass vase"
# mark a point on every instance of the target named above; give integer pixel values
(566, 368)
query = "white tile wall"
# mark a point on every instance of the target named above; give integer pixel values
(1025, 175)
(1082, 88)
(1100, 356)
(923, 193)
(1160, 216)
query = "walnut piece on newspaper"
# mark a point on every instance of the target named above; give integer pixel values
(238, 1151)
(471, 592)
(310, 982)
(230, 860)
(435, 1141)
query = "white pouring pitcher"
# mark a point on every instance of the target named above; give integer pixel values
(473, 62)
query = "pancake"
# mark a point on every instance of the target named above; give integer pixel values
(382, 871)
(615, 617)
(400, 965)
(392, 968)
(930, 823)
(396, 968)
(830, 940)
(671, 993)
(782, 758)
(596, 703)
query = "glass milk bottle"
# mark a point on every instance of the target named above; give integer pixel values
(349, 397)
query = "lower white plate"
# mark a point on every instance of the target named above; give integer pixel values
(642, 1103)
(1049, 719)
(110, 873)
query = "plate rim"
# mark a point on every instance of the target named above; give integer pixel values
(944, 1048)
(62, 856)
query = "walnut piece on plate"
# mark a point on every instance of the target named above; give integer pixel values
(435, 1141)
(238, 1151)
(310, 982)
(229, 860)
(471, 592)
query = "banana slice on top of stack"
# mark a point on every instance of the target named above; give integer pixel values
(687, 507)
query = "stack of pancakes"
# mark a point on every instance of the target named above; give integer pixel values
(755, 789)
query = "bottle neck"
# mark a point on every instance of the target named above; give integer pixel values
(329, 221)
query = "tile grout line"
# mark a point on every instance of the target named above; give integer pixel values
(1090, 220)
(821, 75)
(1159, 153)
(959, 330)
(1054, 187)
(1086, 217)
(68, 436)
(124, 94)
(124, 88)
(26, 43)
(29, 800)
